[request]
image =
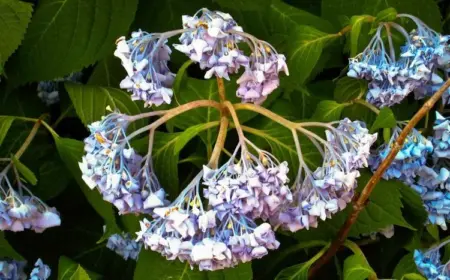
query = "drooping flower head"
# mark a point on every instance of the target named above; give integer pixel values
(254, 185)
(40, 271)
(212, 39)
(430, 265)
(145, 58)
(124, 246)
(185, 230)
(392, 79)
(408, 161)
(121, 175)
(20, 209)
(321, 193)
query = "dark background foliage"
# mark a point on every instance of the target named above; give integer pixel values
(46, 39)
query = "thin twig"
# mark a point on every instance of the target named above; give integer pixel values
(360, 203)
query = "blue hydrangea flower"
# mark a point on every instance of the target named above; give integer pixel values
(430, 265)
(124, 246)
(408, 160)
(40, 271)
(120, 174)
(441, 138)
(321, 193)
(12, 270)
(48, 91)
(145, 58)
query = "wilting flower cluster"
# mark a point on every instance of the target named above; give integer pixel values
(145, 58)
(19, 211)
(48, 91)
(223, 233)
(430, 265)
(408, 161)
(321, 193)
(423, 165)
(112, 166)
(210, 38)
(14, 270)
(124, 246)
(391, 79)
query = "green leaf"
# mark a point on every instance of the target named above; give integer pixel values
(304, 48)
(243, 5)
(426, 10)
(329, 110)
(14, 18)
(405, 265)
(413, 276)
(299, 271)
(5, 124)
(348, 89)
(53, 177)
(240, 272)
(88, 34)
(386, 15)
(433, 230)
(90, 103)
(108, 72)
(25, 171)
(71, 151)
(70, 270)
(385, 119)
(165, 153)
(356, 22)
(355, 268)
(305, 102)
(414, 210)
(6, 250)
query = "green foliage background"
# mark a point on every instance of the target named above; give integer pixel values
(47, 39)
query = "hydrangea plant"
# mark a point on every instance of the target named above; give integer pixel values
(215, 139)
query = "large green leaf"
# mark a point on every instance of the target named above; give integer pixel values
(299, 271)
(426, 10)
(385, 119)
(108, 72)
(6, 250)
(5, 124)
(65, 36)
(14, 18)
(405, 265)
(90, 102)
(329, 110)
(53, 177)
(151, 265)
(71, 151)
(348, 89)
(70, 270)
(357, 23)
(166, 151)
(305, 47)
(355, 268)
(24, 170)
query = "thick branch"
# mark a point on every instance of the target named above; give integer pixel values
(359, 204)
(263, 111)
(220, 142)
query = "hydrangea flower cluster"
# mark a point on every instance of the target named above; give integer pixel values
(124, 246)
(429, 263)
(19, 211)
(422, 164)
(391, 79)
(48, 91)
(210, 38)
(112, 166)
(14, 270)
(327, 190)
(387, 232)
(408, 161)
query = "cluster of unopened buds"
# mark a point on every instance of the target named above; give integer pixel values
(20, 209)
(429, 263)
(416, 70)
(422, 164)
(210, 38)
(14, 270)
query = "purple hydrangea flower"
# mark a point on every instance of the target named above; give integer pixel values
(12, 270)
(430, 265)
(408, 161)
(186, 231)
(124, 246)
(119, 173)
(40, 271)
(327, 190)
(145, 58)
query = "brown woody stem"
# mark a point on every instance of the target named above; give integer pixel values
(360, 203)
(220, 142)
